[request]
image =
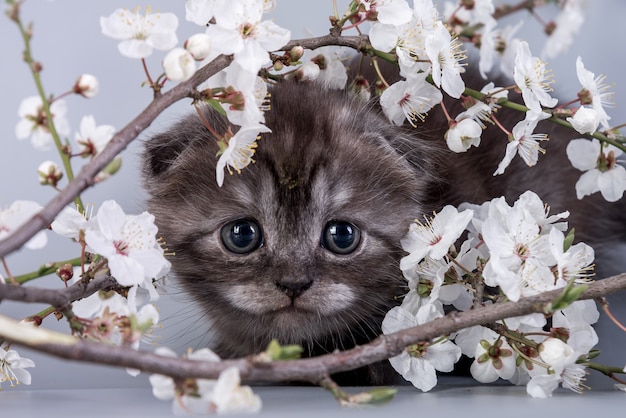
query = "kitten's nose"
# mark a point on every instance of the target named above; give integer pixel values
(293, 287)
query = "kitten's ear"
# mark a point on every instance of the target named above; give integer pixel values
(162, 151)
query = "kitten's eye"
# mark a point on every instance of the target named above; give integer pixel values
(242, 236)
(341, 237)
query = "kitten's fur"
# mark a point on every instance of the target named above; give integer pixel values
(330, 157)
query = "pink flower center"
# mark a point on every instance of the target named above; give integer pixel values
(121, 247)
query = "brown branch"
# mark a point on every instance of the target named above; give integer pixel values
(59, 298)
(311, 369)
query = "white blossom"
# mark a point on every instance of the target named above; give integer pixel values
(12, 368)
(16, 215)
(445, 55)
(419, 363)
(493, 359)
(229, 396)
(533, 79)
(129, 244)
(595, 92)
(240, 150)
(93, 138)
(524, 142)
(602, 172)
(434, 237)
(409, 99)
(33, 122)
(140, 34)
(239, 30)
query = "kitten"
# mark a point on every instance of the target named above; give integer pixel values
(303, 245)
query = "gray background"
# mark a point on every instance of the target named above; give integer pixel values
(68, 42)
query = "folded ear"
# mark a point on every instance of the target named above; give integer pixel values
(163, 150)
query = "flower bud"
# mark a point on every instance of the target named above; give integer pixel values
(179, 64)
(557, 354)
(199, 46)
(87, 86)
(361, 87)
(49, 173)
(65, 272)
(278, 66)
(296, 53)
(462, 135)
(585, 120)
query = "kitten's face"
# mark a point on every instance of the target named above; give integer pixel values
(302, 245)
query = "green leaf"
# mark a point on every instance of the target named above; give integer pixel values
(217, 106)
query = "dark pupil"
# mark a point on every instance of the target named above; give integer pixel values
(243, 234)
(342, 235)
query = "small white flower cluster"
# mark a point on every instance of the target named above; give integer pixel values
(510, 252)
(202, 396)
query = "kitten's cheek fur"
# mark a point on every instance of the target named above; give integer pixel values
(321, 299)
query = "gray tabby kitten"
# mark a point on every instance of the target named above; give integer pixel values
(303, 245)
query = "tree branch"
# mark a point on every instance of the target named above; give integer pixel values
(59, 298)
(310, 369)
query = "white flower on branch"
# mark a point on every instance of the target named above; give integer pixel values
(70, 223)
(93, 138)
(533, 79)
(12, 368)
(20, 212)
(239, 151)
(493, 358)
(595, 92)
(561, 359)
(602, 172)
(445, 54)
(230, 397)
(409, 99)
(34, 123)
(239, 30)
(520, 261)
(524, 142)
(129, 244)
(140, 34)
(434, 237)
(419, 363)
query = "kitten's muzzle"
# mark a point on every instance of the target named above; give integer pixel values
(293, 288)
